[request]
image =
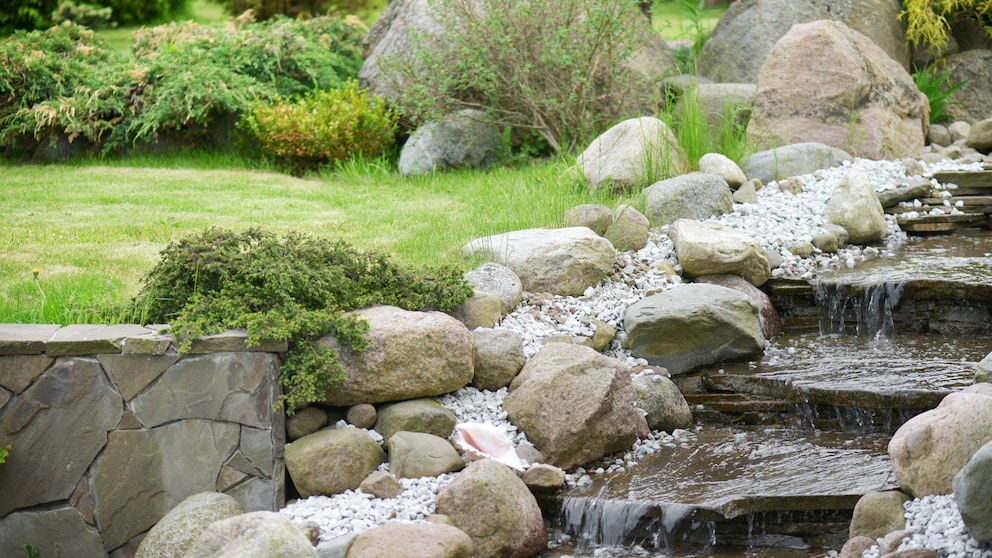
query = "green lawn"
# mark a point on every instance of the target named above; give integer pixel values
(673, 22)
(93, 230)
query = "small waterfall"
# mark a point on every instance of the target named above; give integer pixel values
(870, 312)
(598, 522)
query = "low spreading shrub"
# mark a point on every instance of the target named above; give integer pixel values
(321, 127)
(296, 288)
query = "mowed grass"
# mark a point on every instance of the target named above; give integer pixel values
(92, 231)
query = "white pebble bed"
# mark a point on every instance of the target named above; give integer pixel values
(777, 221)
(939, 527)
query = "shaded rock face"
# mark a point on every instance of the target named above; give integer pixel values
(783, 162)
(558, 261)
(574, 404)
(771, 322)
(261, 534)
(664, 404)
(410, 355)
(863, 102)
(172, 536)
(690, 196)
(708, 248)
(416, 415)
(430, 540)
(332, 461)
(855, 207)
(631, 155)
(499, 356)
(973, 494)
(747, 32)
(391, 36)
(693, 326)
(930, 448)
(879, 513)
(463, 139)
(60, 533)
(489, 502)
(971, 102)
(499, 280)
(416, 454)
(629, 230)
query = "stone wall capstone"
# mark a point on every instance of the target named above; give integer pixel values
(109, 429)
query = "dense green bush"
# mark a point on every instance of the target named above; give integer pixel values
(27, 15)
(264, 9)
(87, 15)
(556, 67)
(134, 12)
(296, 288)
(184, 79)
(321, 127)
(928, 21)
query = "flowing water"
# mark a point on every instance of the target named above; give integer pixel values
(784, 446)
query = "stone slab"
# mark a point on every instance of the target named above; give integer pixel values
(150, 344)
(132, 373)
(25, 339)
(54, 533)
(17, 372)
(234, 340)
(79, 339)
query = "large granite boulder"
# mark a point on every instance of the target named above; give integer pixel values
(574, 404)
(690, 196)
(410, 355)
(862, 102)
(692, 326)
(973, 494)
(499, 356)
(391, 36)
(417, 454)
(879, 513)
(747, 32)
(489, 502)
(499, 280)
(795, 159)
(631, 155)
(558, 261)
(771, 322)
(261, 534)
(710, 248)
(333, 460)
(930, 448)
(430, 540)
(665, 406)
(854, 206)
(464, 139)
(415, 415)
(972, 100)
(172, 536)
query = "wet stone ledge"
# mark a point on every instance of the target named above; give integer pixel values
(109, 428)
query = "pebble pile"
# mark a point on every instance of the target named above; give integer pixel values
(777, 221)
(939, 527)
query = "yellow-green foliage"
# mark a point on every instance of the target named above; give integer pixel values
(322, 127)
(927, 21)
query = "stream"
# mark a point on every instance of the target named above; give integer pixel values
(784, 446)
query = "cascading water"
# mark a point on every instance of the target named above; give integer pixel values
(784, 446)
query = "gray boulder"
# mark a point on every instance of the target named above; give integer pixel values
(410, 355)
(722, 166)
(629, 229)
(381, 484)
(664, 404)
(693, 326)
(362, 415)
(428, 540)
(542, 478)
(879, 513)
(489, 502)
(973, 494)
(595, 216)
(499, 356)
(710, 248)
(59, 533)
(771, 322)
(983, 370)
(854, 206)
(972, 100)
(863, 102)
(415, 415)
(464, 139)
(958, 131)
(261, 534)
(856, 547)
(482, 309)
(691, 196)
(783, 162)
(938, 135)
(574, 404)
(416, 454)
(930, 448)
(558, 261)
(980, 136)
(499, 280)
(747, 32)
(332, 461)
(390, 37)
(747, 193)
(305, 421)
(631, 155)
(172, 536)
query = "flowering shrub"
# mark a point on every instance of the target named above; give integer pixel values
(321, 127)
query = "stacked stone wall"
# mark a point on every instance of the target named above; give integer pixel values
(109, 428)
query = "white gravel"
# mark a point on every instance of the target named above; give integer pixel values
(777, 221)
(939, 527)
